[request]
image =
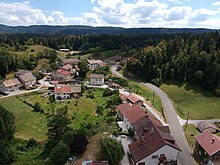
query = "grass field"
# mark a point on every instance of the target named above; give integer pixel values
(146, 93)
(199, 103)
(190, 133)
(28, 124)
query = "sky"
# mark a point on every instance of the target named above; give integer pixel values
(118, 13)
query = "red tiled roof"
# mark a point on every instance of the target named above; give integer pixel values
(133, 98)
(123, 107)
(64, 72)
(154, 139)
(67, 67)
(144, 123)
(205, 140)
(62, 89)
(134, 114)
(101, 76)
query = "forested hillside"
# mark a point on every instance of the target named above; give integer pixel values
(78, 29)
(187, 58)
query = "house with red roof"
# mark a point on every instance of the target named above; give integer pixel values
(153, 144)
(208, 148)
(62, 92)
(156, 146)
(61, 75)
(93, 64)
(133, 99)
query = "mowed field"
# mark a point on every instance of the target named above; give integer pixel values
(199, 103)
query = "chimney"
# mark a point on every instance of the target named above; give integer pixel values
(142, 138)
(152, 130)
(213, 140)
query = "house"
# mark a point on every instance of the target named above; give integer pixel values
(94, 162)
(27, 80)
(208, 148)
(70, 61)
(96, 79)
(130, 114)
(11, 85)
(61, 75)
(133, 99)
(204, 125)
(114, 85)
(121, 108)
(93, 64)
(62, 92)
(67, 67)
(154, 147)
(21, 72)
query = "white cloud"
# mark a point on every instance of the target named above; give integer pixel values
(217, 3)
(139, 13)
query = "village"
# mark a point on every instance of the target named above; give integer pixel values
(146, 136)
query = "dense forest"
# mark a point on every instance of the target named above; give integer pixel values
(78, 30)
(185, 57)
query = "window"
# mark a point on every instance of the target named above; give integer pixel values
(141, 163)
(154, 157)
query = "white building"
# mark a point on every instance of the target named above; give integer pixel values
(93, 64)
(97, 79)
(8, 86)
(27, 80)
(62, 92)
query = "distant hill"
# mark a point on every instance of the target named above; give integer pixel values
(77, 29)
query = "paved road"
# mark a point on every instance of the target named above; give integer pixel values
(185, 157)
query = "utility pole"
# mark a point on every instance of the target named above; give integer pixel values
(153, 97)
(187, 119)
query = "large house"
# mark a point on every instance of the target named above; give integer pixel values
(27, 80)
(9, 86)
(62, 92)
(70, 61)
(97, 79)
(21, 72)
(208, 148)
(93, 64)
(154, 144)
(61, 75)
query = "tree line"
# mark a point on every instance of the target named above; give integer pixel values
(186, 58)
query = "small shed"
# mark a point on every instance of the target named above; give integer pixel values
(204, 125)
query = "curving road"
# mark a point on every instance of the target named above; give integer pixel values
(185, 157)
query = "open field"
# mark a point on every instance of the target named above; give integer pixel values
(199, 103)
(28, 124)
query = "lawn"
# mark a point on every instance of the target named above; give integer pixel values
(146, 93)
(190, 133)
(199, 103)
(28, 124)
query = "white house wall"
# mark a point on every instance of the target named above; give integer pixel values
(170, 153)
(61, 96)
(97, 81)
